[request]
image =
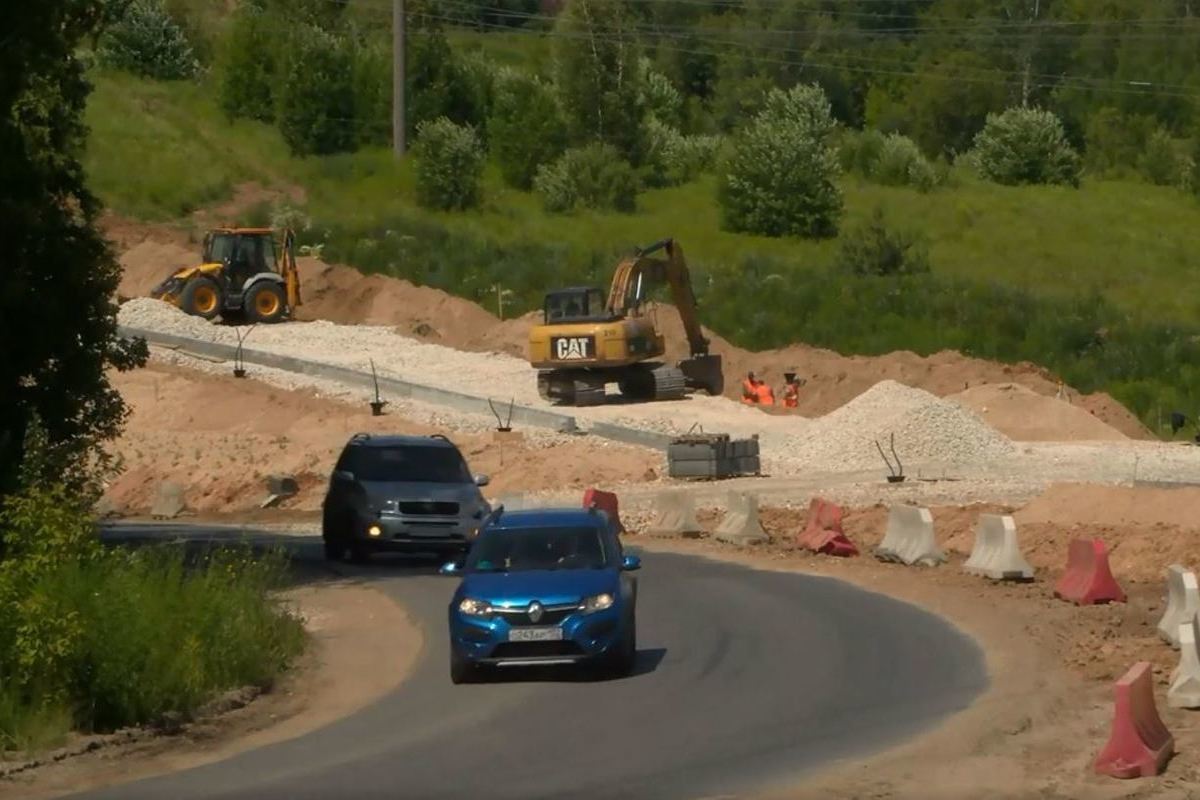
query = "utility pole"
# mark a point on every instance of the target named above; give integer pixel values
(398, 117)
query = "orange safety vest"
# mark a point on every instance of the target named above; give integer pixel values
(749, 393)
(766, 397)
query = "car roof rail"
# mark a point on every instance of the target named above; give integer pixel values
(441, 436)
(360, 437)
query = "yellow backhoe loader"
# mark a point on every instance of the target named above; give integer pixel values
(587, 341)
(241, 274)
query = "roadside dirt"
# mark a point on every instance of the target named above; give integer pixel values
(345, 620)
(220, 437)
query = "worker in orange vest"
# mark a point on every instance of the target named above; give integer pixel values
(766, 397)
(791, 391)
(750, 389)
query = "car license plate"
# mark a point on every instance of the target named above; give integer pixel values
(551, 634)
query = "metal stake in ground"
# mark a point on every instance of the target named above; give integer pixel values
(503, 426)
(239, 362)
(897, 472)
(376, 404)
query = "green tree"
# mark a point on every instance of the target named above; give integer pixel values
(527, 127)
(875, 249)
(598, 76)
(780, 178)
(373, 93)
(1115, 140)
(594, 177)
(449, 165)
(57, 315)
(949, 103)
(316, 100)
(439, 84)
(1026, 145)
(249, 64)
(146, 41)
(1160, 162)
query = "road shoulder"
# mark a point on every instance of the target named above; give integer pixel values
(353, 628)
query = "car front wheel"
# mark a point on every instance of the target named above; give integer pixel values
(462, 670)
(625, 655)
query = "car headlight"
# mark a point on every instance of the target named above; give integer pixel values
(597, 602)
(475, 608)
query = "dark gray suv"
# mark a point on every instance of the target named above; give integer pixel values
(409, 494)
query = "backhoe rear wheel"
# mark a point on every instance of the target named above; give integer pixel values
(265, 302)
(201, 297)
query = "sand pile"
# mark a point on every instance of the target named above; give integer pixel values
(145, 265)
(928, 430)
(1026, 416)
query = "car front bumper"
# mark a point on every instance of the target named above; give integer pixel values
(585, 637)
(417, 534)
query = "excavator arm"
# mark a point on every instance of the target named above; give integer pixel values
(635, 275)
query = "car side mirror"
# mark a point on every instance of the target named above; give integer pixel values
(450, 568)
(482, 480)
(343, 475)
(630, 563)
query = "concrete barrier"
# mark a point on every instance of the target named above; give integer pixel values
(470, 404)
(168, 501)
(606, 502)
(1183, 601)
(823, 531)
(674, 515)
(741, 525)
(1184, 691)
(996, 553)
(909, 538)
(1139, 744)
(1088, 580)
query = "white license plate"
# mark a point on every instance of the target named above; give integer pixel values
(553, 634)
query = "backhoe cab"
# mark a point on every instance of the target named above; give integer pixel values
(242, 274)
(588, 340)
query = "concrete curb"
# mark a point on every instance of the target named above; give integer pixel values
(395, 387)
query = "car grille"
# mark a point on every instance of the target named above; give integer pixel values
(550, 616)
(427, 508)
(536, 649)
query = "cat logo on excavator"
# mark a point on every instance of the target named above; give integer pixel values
(587, 340)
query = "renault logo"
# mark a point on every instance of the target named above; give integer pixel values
(535, 611)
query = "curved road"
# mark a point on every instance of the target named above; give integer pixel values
(745, 678)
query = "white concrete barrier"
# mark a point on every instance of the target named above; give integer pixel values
(1183, 602)
(740, 525)
(168, 501)
(674, 515)
(1185, 679)
(996, 553)
(909, 538)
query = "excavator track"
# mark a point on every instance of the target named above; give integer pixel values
(571, 387)
(644, 382)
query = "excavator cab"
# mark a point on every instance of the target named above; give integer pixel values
(577, 304)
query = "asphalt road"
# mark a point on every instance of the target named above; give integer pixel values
(744, 679)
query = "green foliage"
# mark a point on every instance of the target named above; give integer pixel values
(440, 83)
(598, 77)
(1191, 171)
(672, 158)
(780, 178)
(899, 162)
(594, 177)
(449, 164)
(146, 41)
(316, 100)
(949, 103)
(858, 151)
(658, 97)
(1115, 140)
(1160, 162)
(874, 249)
(372, 93)
(249, 63)
(59, 274)
(1026, 145)
(527, 127)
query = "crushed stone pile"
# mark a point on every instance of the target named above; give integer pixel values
(928, 430)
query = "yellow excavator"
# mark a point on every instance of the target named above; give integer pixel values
(587, 340)
(241, 274)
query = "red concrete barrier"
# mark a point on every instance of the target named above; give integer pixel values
(606, 502)
(1139, 745)
(1088, 579)
(823, 533)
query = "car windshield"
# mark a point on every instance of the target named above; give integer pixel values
(538, 549)
(409, 463)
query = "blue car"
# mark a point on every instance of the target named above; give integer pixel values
(540, 587)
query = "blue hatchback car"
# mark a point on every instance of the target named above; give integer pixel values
(544, 586)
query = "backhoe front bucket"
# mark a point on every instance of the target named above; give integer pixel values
(704, 373)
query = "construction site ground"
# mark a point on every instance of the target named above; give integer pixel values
(979, 438)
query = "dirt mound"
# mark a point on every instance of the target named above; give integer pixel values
(1026, 416)
(145, 265)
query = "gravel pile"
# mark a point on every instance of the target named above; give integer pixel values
(928, 430)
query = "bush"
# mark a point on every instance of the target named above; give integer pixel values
(527, 127)
(147, 42)
(672, 158)
(858, 151)
(588, 177)
(780, 178)
(449, 165)
(1160, 162)
(316, 102)
(1114, 140)
(874, 249)
(372, 94)
(1025, 146)
(901, 163)
(248, 66)
(658, 97)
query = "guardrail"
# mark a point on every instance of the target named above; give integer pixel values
(466, 403)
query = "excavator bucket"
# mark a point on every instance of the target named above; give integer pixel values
(704, 372)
